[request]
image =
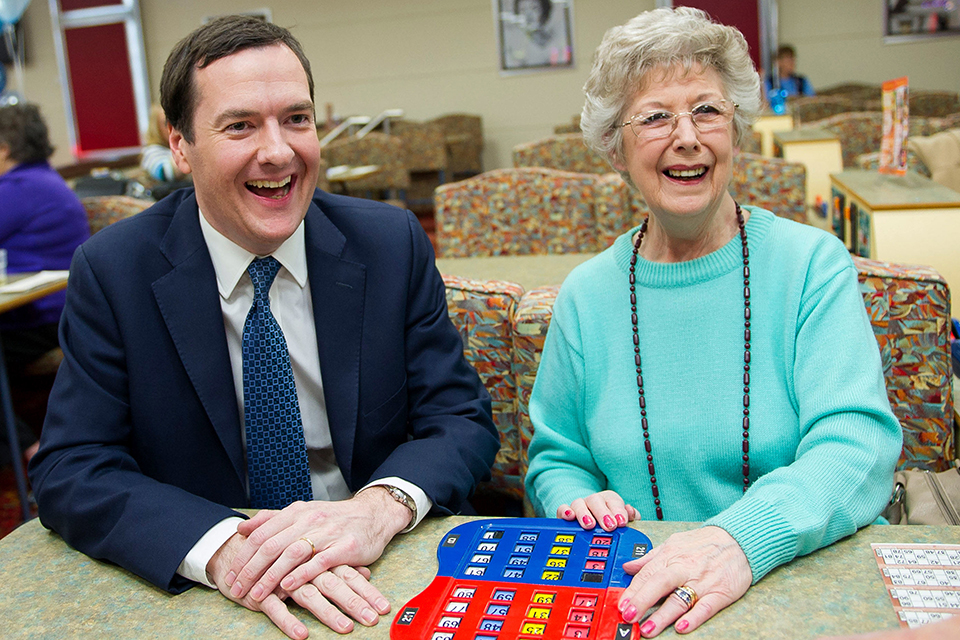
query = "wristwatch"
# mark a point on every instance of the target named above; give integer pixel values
(403, 498)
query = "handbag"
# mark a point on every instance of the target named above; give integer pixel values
(925, 497)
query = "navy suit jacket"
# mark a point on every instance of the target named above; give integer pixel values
(141, 451)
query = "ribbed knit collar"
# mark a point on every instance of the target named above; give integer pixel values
(681, 274)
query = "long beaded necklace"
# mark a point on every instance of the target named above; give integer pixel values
(746, 360)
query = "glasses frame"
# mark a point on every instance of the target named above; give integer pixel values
(722, 104)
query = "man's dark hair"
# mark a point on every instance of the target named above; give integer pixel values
(215, 40)
(24, 133)
(786, 50)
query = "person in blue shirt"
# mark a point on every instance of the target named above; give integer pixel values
(791, 82)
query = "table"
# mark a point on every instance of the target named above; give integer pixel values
(10, 301)
(819, 151)
(530, 271)
(766, 125)
(909, 219)
(53, 591)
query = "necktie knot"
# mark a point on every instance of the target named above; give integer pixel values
(262, 272)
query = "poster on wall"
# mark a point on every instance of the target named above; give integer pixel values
(909, 20)
(896, 125)
(534, 34)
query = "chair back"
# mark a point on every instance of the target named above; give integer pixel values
(812, 108)
(566, 152)
(871, 162)
(859, 132)
(618, 208)
(934, 104)
(103, 211)
(528, 210)
(772, 183)
(375, 148)
(424, 148)
(463, 137)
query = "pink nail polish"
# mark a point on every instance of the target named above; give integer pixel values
(588, 521)
(647, 627)
(608, 522)
(681, 626)
(630, 613)
(568, 513)
(621, 520)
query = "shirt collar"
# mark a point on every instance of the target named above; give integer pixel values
(230, 260)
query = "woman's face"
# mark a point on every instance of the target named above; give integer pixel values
(530, 10)
(686, 173)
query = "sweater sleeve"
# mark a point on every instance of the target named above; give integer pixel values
(561, 465)
(850, 440)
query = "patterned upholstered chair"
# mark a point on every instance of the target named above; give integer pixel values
(859, 132)
(375, 148)
(463, 135)
(933, 104)
(752, 142)
(484, 313)
(516, 211)
(572, 127)
(618, 208)
(848, 89)
(566, 152)
(909, 309)
(425, 156)
(812, 108)
(105, 210)
(936, 125)
(771, 183)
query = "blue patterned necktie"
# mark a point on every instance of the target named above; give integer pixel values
(277, 465)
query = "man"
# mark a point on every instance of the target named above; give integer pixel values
(174, 404)
(791, 83)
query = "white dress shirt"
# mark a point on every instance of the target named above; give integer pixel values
(292, 305)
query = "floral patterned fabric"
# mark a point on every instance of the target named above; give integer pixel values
(861, 132)
(516, 211)
(484, 313)
(772, 183)
(807, 109)
(618, 208)
(565, 152)
(463, 135)
(909, 309)
(103, 211)
(424, 147)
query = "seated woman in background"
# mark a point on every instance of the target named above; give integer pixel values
(759, 407)
(157, 159)
(41, 224)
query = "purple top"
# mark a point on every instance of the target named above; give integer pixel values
(42, 222)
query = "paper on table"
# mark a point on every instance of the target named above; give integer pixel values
(32, 282)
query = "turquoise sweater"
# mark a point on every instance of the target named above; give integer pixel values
(823, 440)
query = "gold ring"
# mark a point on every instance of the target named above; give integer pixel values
(313, 549)
(687, 595)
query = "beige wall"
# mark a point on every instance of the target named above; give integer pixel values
(431, 57)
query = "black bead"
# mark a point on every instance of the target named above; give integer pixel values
(746, 377)
(746, 356)
(653, 480)
(640, 382)
(746, 470)
(746, 292)
(633, 298)
(633, 279)
(656, 491)
(746, 314)
(649, 456)
(746, 446)
(746, 335)
(643, 403)
(746, 422)
(657, 502)
(659, 513)
(650, 468)
(636, 359)
(636, 338)
(746, 400)
(746, 272)
(633, 317)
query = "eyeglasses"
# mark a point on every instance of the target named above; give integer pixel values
(705, 116)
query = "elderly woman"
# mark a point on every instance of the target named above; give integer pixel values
(716, 363)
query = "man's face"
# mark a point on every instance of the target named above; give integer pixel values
(787, 64)
(255, 155)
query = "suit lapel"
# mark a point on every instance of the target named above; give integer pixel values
(190, 303)
(337, 288)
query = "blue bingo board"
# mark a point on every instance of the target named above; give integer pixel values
(525, 579)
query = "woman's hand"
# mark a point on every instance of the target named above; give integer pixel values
(707, 560)
(605, 508)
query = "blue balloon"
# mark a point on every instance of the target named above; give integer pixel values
(12, 10)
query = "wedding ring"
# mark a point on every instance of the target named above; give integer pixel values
(687, 595)
(313, 549)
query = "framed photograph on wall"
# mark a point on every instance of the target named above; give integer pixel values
(911, 20)
(534, 35)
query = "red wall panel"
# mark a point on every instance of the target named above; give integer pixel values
(745, 16)
(70, 5)
(103, 97)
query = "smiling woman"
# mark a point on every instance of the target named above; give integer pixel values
(683, 372)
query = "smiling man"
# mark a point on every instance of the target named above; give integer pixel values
(258, 343)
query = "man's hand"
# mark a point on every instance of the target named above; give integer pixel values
(342, 586)
(302, 541)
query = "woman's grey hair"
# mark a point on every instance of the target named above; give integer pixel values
(657, 41)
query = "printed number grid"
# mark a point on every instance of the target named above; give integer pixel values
(923, 581)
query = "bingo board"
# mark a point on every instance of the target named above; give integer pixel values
(525, 579)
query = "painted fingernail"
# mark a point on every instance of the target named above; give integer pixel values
(567, 513)
(383, 605)
(608, 522)
(587, 521)
(256, 592)
(630, 613)
(230, 578)
(369, 616)
(648, 627)
(621, 520)
(681, 626)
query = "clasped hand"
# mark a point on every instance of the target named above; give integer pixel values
(707, 560)
(312, 547)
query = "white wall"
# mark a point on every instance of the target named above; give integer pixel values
(431, 57)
